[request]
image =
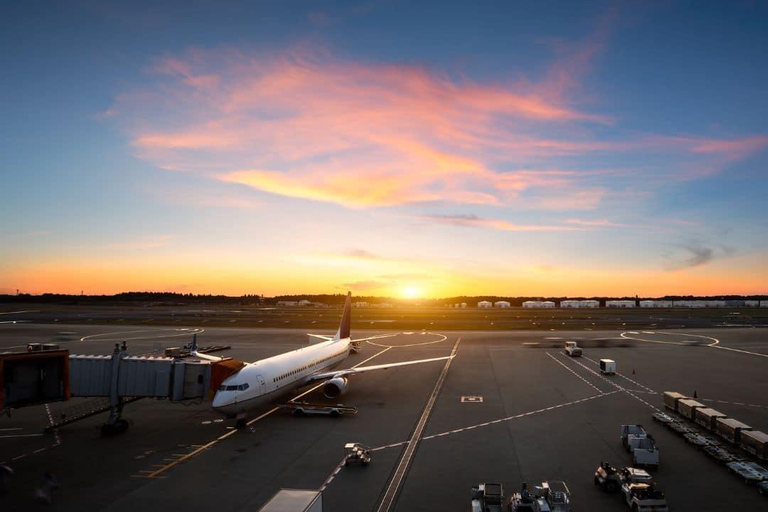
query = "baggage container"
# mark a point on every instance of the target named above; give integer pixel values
(756, 443)
(608, 366)
(687, 408)
(671, 398)
(707, 417)
(730, 429)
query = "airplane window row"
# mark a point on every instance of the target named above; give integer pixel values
(299, 370)
(238, 387)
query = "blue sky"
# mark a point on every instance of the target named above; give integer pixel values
(514, 148)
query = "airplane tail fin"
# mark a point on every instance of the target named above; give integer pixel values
(346, 319)
(193, 346)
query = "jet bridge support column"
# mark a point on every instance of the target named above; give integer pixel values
(115, 424)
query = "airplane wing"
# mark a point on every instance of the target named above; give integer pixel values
(197, 354)
(330, 338)
(362, 369)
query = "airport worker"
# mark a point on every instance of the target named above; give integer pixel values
(44, 493)
(525, 496)
(5, 478)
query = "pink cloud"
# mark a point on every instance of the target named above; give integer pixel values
(473, 221)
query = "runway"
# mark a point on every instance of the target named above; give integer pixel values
(536, 414)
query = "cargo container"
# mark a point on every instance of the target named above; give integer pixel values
(687, 407)
(671, 398)
(756, 443)
(730, 429)
(707, 417)
(607, 366)
(294, 500)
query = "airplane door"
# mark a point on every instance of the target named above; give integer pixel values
(262, 385)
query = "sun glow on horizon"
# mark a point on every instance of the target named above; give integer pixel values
(411, 292)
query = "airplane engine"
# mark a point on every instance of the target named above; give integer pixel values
(335, 387)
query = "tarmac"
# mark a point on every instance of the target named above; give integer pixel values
(512, 408)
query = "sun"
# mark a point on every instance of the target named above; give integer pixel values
(411, 292)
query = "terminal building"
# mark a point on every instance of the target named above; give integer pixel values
(502, 304)
(579, 303)
(538, 304)
(485, 304)
(620, 304)
(655, 303)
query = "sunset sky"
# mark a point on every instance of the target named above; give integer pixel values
(388, 148)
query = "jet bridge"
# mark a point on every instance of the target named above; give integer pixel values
(110, 381)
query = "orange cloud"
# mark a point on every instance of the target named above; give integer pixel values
(304, 124)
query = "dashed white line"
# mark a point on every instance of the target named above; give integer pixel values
(646, 388)
(573, 372)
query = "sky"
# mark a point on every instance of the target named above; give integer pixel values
(516, 148)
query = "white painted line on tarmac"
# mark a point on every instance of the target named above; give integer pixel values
(620, 388)
(20, 312)
(646, 388)
(510, 418)
(576, 374)
(10, 436)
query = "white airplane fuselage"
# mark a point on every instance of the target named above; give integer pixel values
(266, 380)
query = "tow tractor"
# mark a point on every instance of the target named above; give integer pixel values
(306, 408)
(487, 498)
(644, 497)
(611, 479)
(551, 496)
(571, 349)
(357, 453)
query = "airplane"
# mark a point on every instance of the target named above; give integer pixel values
(266, 380)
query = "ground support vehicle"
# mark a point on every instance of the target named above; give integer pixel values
(357, 453)
(721, 454)
(631, 435)
(751, 472)
(306, 408)
(645, 453)
(552, 496)
(36, 347)
(700, 440)
(664, 418)
(607, 366)
(611, 479)
(571, 349)
(557, 495)
(644, 497)
(487, 498)
(681, 428)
